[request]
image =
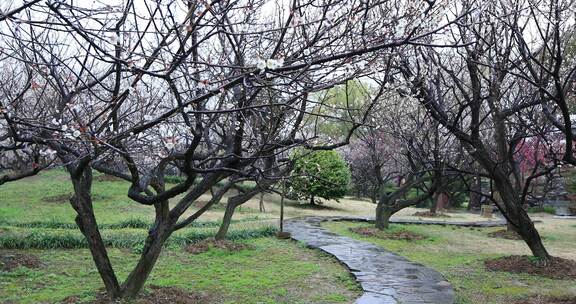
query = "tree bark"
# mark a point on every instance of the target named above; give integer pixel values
(226, 220)
(510, 227)
(434, 204)
(391, 203)
(475, 201)
(233, 203)
(531, 236)
(282, 206)
(383, 217)
(261, 205)
(86, 221)
(152, 249)
(374, 195)
(312, 200)
(516, 215)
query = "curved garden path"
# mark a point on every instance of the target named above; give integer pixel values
(385, 277)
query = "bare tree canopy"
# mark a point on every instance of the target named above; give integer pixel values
(212, 90)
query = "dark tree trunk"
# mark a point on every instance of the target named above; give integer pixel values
(226, 220)
(86, 221)
(374, 196)
(510, 227)
(438, 193)
(531, 236)
(262, 208)
(282, 206)
(391, 203)
(516, 215)
(475, 196)
(312, 202)
(383, 214)
(235, 202)
(152, 248)
(434, 204)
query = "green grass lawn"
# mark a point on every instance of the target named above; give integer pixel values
(45, 198)
(274, 272)
(37, 219)
(458, 253)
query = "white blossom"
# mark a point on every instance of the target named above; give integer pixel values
(270, 64)
(261, 64)
(47, 152)
(169, 145)
(274, 63)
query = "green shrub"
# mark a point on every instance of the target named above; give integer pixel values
(135, 223)
(546, 209)
(322, 174)
(114, 238)
(174, 179)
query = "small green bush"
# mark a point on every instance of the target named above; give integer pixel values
(546, 209)
(322, 174)
(174, 179)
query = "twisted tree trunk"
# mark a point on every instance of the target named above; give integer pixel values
(150, 253)
(511, 207)
(391, 203)
(81, 201)
(226, 220)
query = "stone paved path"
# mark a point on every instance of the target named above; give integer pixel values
(385, 277)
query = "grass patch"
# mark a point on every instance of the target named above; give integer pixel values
(127, 238)
(459, 254)
(134, 223)
(274, 272)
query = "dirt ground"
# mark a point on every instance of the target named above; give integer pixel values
(555, 268)
(155, 295)
(390, 235)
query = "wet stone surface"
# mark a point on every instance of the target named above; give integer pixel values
(385, 277)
